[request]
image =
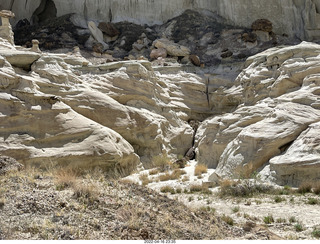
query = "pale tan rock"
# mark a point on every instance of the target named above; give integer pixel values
(18, 58)
(158, 52)
(172, 48)
(300, 163)
(97, 34)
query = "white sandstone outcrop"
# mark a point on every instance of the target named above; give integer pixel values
(262, 128)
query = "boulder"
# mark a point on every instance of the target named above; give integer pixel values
(158, 53)
(300, 162)
(195, 60)
(97, 33)
(20, 58)
(173, 49)
(108, 29)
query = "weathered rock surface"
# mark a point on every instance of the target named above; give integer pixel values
(8, 164)
(301, 161)
(172, 48)
(239, 143)
(292, 17)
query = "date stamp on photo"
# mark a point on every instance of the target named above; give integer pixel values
(160, 241)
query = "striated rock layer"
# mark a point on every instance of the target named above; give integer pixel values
(290, 17)
(274, 124)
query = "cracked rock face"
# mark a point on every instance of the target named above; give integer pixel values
(265, 131)
(60, 108)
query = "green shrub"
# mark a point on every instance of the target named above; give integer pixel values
(236, 209)
(312, 201)
(268, 219)
(298, 227)
(278, 199)
(292, 219)
(227, 219)
(316, 233)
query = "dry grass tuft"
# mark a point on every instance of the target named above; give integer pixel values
(65, 178)
(87, 193)
(316, 187)
(166, 189)
(200, 188)
(176, 174)
(144, 179)
(154, 171)
(161, 162)
(305, 187)
(200, 169)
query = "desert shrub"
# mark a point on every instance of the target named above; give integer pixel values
(207, 209)
(298, 227)
(200, 188)
(278, 199)
(268, 219)
(161, 162)
(87, 193)
(166, 189)
(165, 177)
(236, 209)
(144, 179)
(316, 233)
(316, 187)
(178, 190)
(200, 169)
(185, 178)
(65, 178)
(227, 219)
(312, 201)
(154, 171)
(172, 176)
(281, 220)
(243, 188)
(305, 187)
(292, 219)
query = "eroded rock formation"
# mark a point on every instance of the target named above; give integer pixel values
(291, 17)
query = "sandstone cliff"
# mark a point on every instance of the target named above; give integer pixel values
(291, 17)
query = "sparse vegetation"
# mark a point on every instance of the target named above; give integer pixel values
(161, 162)
(278, 199)
(144, 179)
(85, 192)
(236, 209)
(281, 220)
(200, 169)
(154, 171)
(316, 188)
(207, 209)
(227, 219)
(268, 219)
(298, 227)
(65, 177)
(174, 175)
(200, 188)
(166, 189)
(292, 219)
(316, 233)
(305, 187)
(312, 201)
(242, 188)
